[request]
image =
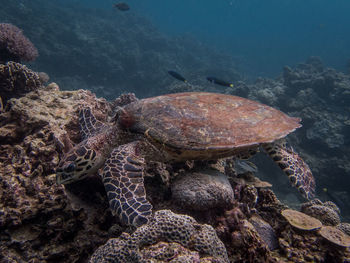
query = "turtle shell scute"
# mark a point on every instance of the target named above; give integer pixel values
(204, 121)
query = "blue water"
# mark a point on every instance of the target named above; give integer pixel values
(263, 36)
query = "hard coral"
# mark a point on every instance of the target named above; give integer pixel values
(335, 236)
(203, 190)
(300, 220)
(242, 239)
(40, 221)
(325, 212)
(16, 80)
(344, 227)
(165, 226)
(14, 45)
(173, 252)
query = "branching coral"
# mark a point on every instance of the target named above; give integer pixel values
(14, 46)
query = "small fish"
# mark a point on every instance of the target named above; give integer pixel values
(219, 82)
(177, 76)
(122, 6)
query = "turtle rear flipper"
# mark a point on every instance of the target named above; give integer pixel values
(293, 166)
(123, 180)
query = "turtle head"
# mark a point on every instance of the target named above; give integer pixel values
(124, 118)
(78, 163)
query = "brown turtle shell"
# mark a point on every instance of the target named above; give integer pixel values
(200, 121)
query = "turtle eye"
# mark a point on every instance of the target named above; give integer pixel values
(70, 168)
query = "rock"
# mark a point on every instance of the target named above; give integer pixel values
(265, 231)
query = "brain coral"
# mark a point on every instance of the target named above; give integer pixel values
(168, 227)
(14, 45)
(203, 190)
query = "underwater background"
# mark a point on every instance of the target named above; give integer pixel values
(293, 55)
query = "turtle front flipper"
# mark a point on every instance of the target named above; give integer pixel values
(89, 125)
(123, 180)
(293, 166)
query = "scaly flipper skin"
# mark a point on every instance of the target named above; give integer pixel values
(123, 181)
(293, 166)
(89, 125)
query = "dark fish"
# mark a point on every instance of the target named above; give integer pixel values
(219, 82)
(177, 75)
(122, 6)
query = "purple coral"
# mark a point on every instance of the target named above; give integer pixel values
(14, 46)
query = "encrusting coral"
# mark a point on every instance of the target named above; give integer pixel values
(165, 226)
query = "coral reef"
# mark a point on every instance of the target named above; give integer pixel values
(265, 231)
(44, 222)
(202, 190)
(41, 221)
(345, 227)
(16, 80)
(335, 236)
(327, 213)
(169, 227)
(243, 242)
(334, 250)
(300, 220)
(14, 46)
(320, 96)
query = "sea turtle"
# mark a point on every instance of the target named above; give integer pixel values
(176, 128)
